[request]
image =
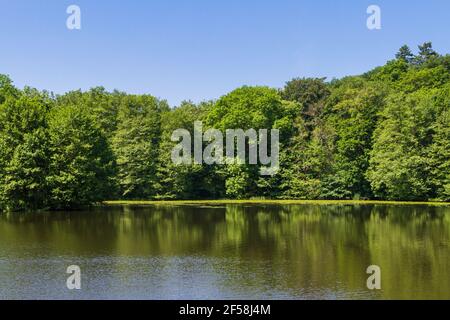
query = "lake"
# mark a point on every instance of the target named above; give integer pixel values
(228, 252)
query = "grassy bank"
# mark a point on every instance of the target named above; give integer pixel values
(273, 202)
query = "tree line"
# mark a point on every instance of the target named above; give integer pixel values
(384, 135)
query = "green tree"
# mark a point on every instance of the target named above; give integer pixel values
(405, 54)
(7, 89)
(382, 135)
(245, 108)
(81, 162)
(184, 181)
(136, 145)
(24, 151)
(439, 151)
(102, 105)
(426, 53)
(440, 158)
(310, 94)
(398, 164)
(354, 105)
(248, 108)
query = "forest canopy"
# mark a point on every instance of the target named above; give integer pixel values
(382, 135)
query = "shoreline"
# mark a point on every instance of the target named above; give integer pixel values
(270, 202)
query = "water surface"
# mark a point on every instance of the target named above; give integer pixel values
(228, 252)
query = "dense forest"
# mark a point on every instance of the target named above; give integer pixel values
(381, 135)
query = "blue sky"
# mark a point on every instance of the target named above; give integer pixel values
(202, 49)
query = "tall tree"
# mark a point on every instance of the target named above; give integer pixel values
(136, 145)
(180, 181)
(81, 161)
(247, 108)
(426, 53)
(309, 93)
(7, 89)
(399, 164)
(104, 106)
(439, 151)
(24, 150)
(355, 106)
(405, 54)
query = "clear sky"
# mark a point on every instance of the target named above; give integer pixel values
(202, 49)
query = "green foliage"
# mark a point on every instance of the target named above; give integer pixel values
(136, 145)
(81, 162)
(439, 151)
(245, 108)
(183, 181)
(305, 91)
(238, 181)
(355, 107)
(102, 105)
(389, 73)
(24, 151)
(398, 165)
(426, 54)
(248, 108)
(7, 90)
(405, 54)
(428, 78)
(382, 135)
